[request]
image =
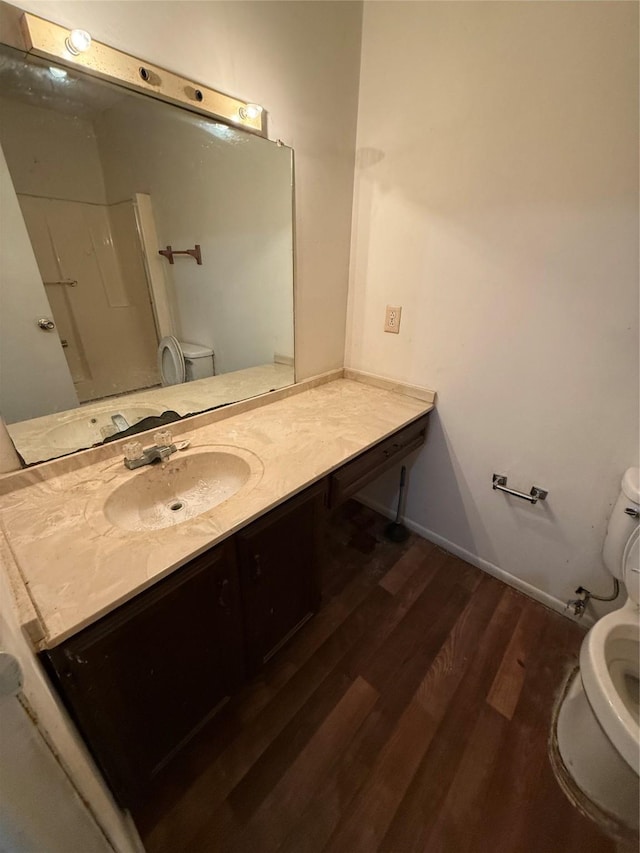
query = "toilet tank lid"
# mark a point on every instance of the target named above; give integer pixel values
(195, 350)
(631, 484)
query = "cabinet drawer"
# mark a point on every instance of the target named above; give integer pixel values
(349, 479)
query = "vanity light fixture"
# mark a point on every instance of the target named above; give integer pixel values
(250, 111)
(71, 47)
(77, 42)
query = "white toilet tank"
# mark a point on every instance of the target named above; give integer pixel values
(198, 361)
(623, 523)
(631, 560)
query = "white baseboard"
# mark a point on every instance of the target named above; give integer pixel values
(484, 565)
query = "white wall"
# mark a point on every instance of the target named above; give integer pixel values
(497, 202)
(300, 61)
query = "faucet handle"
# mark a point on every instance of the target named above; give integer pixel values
(132, 450)
(163, 438)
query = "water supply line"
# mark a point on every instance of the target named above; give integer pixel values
(579, 605)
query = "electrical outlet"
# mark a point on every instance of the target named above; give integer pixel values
(392, 319)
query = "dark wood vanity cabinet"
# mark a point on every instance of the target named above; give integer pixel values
(143, 679)
(140, 681)
(279, 566)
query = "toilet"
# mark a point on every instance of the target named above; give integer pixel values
(180, 361)
(597, 728)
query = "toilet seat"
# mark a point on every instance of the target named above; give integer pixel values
(171, 361)
(609, 664)
(609, 656)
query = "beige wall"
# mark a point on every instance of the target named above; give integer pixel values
(51, 153)
(497, 202)
(300, 61)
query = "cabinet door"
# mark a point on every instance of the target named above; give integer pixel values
(144, 678)
(278, 558)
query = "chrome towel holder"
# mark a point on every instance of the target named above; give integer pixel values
(536, 494)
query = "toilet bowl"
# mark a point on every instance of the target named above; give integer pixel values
(180, 361)
(598, 723)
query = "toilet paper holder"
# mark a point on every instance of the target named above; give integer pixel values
(536, 494)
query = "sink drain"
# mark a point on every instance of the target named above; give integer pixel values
(176, 506)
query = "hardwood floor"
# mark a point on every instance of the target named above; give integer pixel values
(411, 714)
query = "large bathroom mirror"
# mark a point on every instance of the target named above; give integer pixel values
(100, 333)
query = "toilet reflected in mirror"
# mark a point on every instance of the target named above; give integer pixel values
(180, 361)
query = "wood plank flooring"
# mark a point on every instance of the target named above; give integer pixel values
(411, 714)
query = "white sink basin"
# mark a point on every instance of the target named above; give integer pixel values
(183, 487)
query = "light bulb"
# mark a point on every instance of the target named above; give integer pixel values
(250, 111)
(58, 73)
(78, 41)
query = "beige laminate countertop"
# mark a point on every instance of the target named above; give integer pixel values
(77, 567)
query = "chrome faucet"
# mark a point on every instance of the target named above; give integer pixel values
(135, 456)
(120, 422)
(149, 455)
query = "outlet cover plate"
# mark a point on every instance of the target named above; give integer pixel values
(392, 319)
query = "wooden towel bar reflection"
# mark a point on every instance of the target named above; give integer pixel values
(195, 253)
